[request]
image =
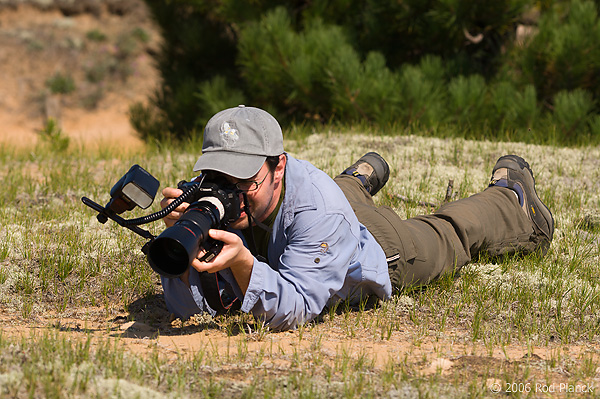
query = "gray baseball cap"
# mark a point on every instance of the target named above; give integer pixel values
(238, 140)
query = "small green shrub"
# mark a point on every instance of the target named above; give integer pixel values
(140, 34)
(96, 35)
(60, 84)
(53, 136)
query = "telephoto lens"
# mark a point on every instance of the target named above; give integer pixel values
(171, 253)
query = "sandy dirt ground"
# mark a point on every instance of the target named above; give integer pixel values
(451, 355)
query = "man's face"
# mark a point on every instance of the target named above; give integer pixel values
(263, 200)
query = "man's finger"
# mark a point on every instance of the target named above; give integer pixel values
(171, 192)
(222, 235)
(167, 201)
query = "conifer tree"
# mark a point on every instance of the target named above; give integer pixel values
(416, 62)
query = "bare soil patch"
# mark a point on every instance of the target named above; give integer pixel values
(452, 356)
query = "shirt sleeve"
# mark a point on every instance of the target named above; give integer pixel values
(311, 269)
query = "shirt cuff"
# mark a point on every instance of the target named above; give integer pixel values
(257, 279)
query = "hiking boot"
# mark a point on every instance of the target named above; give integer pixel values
(372, 170)
(513, 172)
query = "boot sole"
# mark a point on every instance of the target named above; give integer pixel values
(381, 168)
(518, 165)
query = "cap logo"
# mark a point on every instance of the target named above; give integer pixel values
(229, 134)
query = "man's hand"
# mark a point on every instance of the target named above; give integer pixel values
(170, 194)
(233, 255)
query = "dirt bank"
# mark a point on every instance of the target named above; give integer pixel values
(80, 65)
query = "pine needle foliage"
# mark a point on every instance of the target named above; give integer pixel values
(385, 63)
(572, 110)
(564, 54)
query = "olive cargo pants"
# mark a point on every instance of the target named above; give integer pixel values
(423, 248)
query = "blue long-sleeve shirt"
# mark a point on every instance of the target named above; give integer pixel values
(318, 254)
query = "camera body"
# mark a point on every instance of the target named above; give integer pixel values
(225, 193)
(212, 206)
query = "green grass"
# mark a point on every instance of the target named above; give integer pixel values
(528, 320)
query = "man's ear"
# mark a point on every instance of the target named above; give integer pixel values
(280, 169)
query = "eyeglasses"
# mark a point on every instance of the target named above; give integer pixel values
(250, 185)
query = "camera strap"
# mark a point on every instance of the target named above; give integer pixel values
(221, 302)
